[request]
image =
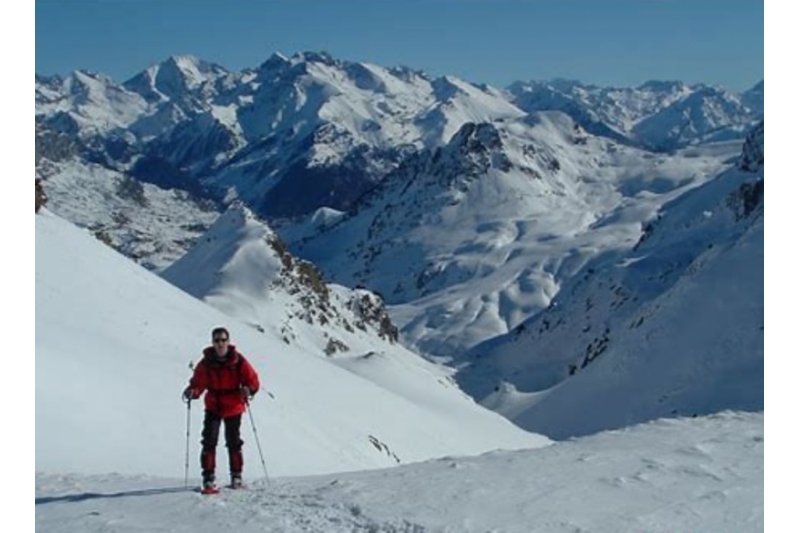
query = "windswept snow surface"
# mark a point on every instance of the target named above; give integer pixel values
(683, 475)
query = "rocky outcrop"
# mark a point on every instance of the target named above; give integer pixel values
(370, 309)
(41, 197)
(752, 158)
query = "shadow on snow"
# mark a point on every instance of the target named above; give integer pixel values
(73, 498)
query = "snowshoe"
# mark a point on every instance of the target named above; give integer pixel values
(209, 487)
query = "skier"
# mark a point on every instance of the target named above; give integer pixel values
(229, 382)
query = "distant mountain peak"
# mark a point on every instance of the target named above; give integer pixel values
(86, 81)
(406, 73)
(174, 77)
(758, 87)
(566, 84)
(662, 85)
(83, 74)
(184, 60)
(316, 57)
(275, 61)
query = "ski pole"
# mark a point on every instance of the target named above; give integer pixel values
(188, 423)
(258, 444)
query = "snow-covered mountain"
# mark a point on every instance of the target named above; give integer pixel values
(308, 131)
(671, 326)
(112, 346)
(95, 175)
(321, 132)
(175, 79)
(753, 98)
(241, 267)
(288, 137)
(463, 206)
(468, 240)
(660, 115)
(87, 104)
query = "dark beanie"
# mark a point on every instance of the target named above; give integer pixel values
(217, 331)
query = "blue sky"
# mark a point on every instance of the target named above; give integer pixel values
(606, 42)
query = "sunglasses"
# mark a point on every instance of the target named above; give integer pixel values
(221, 339)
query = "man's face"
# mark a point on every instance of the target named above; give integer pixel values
(221, 344)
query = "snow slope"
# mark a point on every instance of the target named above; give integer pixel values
(113, 342)
(704, 474)
(672, 326)
(241, 267)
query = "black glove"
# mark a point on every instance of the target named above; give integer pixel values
(247, 394)
(188, 394)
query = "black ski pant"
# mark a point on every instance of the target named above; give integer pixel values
(233, 441)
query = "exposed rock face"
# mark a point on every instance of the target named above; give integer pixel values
(369, 307)
(750, 196)
(752, 158)
(41, 197)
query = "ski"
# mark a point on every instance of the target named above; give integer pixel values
(209, 490)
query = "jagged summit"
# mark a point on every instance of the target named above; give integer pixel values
(316, 57)
(173, 78)
(662, 85)
(275, 61)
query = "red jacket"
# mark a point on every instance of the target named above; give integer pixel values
(223, 379)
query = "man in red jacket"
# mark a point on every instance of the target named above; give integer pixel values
(229, 382)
